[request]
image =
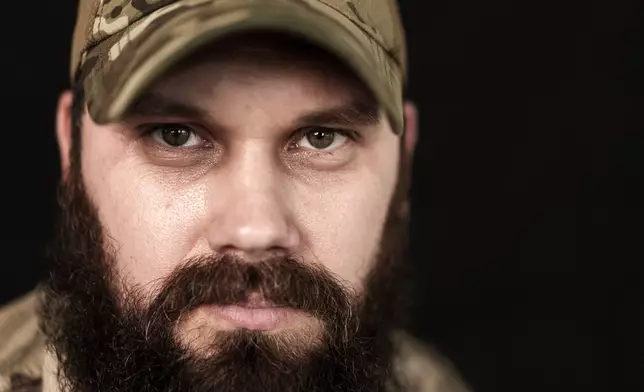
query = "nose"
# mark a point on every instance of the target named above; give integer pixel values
(253, 218)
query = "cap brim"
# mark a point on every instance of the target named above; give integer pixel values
(136, 57)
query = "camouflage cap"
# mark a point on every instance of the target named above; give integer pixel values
(121, 46)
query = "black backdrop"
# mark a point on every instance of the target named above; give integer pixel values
(527, 216)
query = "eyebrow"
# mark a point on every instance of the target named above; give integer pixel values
(355, 113)
(150, 104)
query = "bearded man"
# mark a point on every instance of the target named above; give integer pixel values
(233, 205)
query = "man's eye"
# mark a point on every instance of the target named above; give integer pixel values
(175, 135)
(322, 139)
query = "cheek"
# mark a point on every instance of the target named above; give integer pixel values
(152, 223)
(344, 223)
(155, 225)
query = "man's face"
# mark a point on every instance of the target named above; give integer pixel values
(243, 157)
(247, 193)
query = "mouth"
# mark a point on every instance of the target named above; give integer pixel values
(254, 314)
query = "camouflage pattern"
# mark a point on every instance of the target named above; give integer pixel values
(121, 46)
(26, 365)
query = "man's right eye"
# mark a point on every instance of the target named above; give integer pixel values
(175, 135)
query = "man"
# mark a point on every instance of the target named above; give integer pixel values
(233, 205)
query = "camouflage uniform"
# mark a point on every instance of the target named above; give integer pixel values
(120, 47)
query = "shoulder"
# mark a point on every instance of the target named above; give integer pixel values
(22, 346)
(422, 369)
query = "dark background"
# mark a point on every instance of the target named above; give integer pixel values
(527, 201)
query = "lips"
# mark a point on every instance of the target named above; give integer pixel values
(254, 314)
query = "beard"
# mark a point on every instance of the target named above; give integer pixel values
(107, 337)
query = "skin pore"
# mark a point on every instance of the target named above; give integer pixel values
(284, 169)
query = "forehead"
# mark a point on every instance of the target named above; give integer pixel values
(265, 57)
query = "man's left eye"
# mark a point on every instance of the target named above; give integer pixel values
(322, 139)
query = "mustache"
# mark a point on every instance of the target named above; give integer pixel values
(227, 280)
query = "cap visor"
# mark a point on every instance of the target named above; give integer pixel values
(151, 46)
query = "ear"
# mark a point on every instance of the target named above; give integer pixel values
(64, 130)
(411, 128)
